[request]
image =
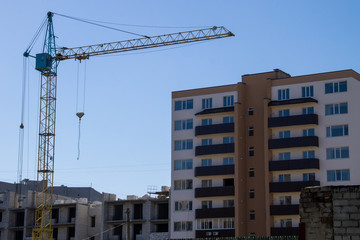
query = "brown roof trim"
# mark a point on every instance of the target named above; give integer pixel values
(204, 91)
(317, 77)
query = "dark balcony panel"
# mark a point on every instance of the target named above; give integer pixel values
(214, 149)
(215, 213)
(214, 129)
(289, 231)
(215, 233)
(296, 120)
(284, 165)
(292, 101)
(310, 141)
(215, 110)
(291, 186)
(214, 170)
(214, 191)
(276, 210)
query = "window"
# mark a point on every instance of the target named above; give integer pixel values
(338, 175)
(336, 108)
(0, 216)
(285, 200)
(183, 205)
(206, 204)
(206, 141)
(206, 103)
(283, 94)
(337, 152)
(284, 113)
(206, 162)
(206, 183)
(308, 177)
(307, 91)
(251, 172)
(227, 140)
(251, 151)
(308, 132)
(183, 226)
(228, 203)
(92, 220)
(183, 144)
(252, 215)
(337, 131)
(228, 161)
(184, 184)
(252, 234)
(251, 193)
(308, 110)
(228, 119)
(250, 111)
(228, 101)
(183, 164)
(183, 104)
(251, 131)
(206, 122)
(183, 124)
(284, 156)
(308, 154)
(335, 87)
(284, 178)
(284, 134)
(214, 223)
(286, 223)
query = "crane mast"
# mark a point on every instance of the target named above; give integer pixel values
(47, 63)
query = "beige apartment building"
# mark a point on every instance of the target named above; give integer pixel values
(241, 153)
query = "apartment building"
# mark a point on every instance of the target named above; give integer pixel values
(148, 217)
(241, 153)
(71, 218)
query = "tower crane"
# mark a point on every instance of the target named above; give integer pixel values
(47, 63)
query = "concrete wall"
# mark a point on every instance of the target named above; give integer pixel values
(331, 212)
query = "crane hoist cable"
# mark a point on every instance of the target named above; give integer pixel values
(80, 112)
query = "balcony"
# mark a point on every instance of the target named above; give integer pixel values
(284, 165)
(292, 102)
(296, 120)
(309, 141)
(214, 149)
(215, 213)
(214, 170)
(276, 187)
(214, 191)
(289, 231)
(215, 233)
(215, 110)
(277, 210)
(214, 129)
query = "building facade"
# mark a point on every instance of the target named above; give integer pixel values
(241, 153)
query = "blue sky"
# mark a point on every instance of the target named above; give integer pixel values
(125, 133)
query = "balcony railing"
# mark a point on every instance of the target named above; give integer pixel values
(214, 129)
(309, 141)
(296, 120)
(215, 110)
(214, 149)
(215, 233)
(276, 210)
(214, 170)
(292, 101)
(296, 164)
(215, 213)
(291, 186)
(288, 231)
(214, 191)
